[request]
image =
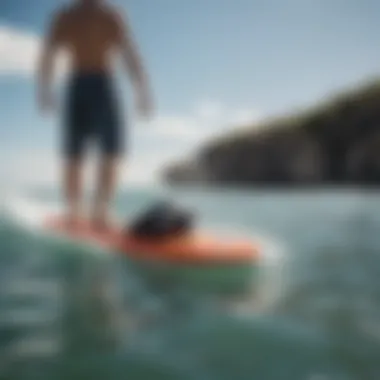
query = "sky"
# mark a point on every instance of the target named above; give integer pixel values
(215, 65)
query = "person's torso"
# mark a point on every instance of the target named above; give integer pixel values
(89, 37)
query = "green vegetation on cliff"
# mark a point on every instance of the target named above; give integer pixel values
(335, 142)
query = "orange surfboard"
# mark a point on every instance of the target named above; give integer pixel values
(197, 248)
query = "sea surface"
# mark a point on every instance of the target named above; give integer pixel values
(69, 311)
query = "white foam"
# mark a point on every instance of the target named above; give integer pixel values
(29, 212)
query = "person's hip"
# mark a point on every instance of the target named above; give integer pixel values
(92, 112)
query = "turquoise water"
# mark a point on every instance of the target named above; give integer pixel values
(71, 312)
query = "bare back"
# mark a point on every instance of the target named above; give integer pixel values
(89, 35)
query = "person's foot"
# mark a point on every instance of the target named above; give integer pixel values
(100, 220)
(100, 224)
(72, 221)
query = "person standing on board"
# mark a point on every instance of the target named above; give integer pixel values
(90, 30)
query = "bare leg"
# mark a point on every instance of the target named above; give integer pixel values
(107, 177)
(72, 187)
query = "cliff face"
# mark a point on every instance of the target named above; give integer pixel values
(335, 143)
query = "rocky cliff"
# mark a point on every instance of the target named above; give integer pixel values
(336, 142)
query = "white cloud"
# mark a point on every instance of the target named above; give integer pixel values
(183, 128)
(208, 118)
(146, 167)
(19, 52)
(215, 115)
(209, 111)
(242, 117)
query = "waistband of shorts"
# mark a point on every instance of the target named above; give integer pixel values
(80, 75)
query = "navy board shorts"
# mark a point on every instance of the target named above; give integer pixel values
(92, 115)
